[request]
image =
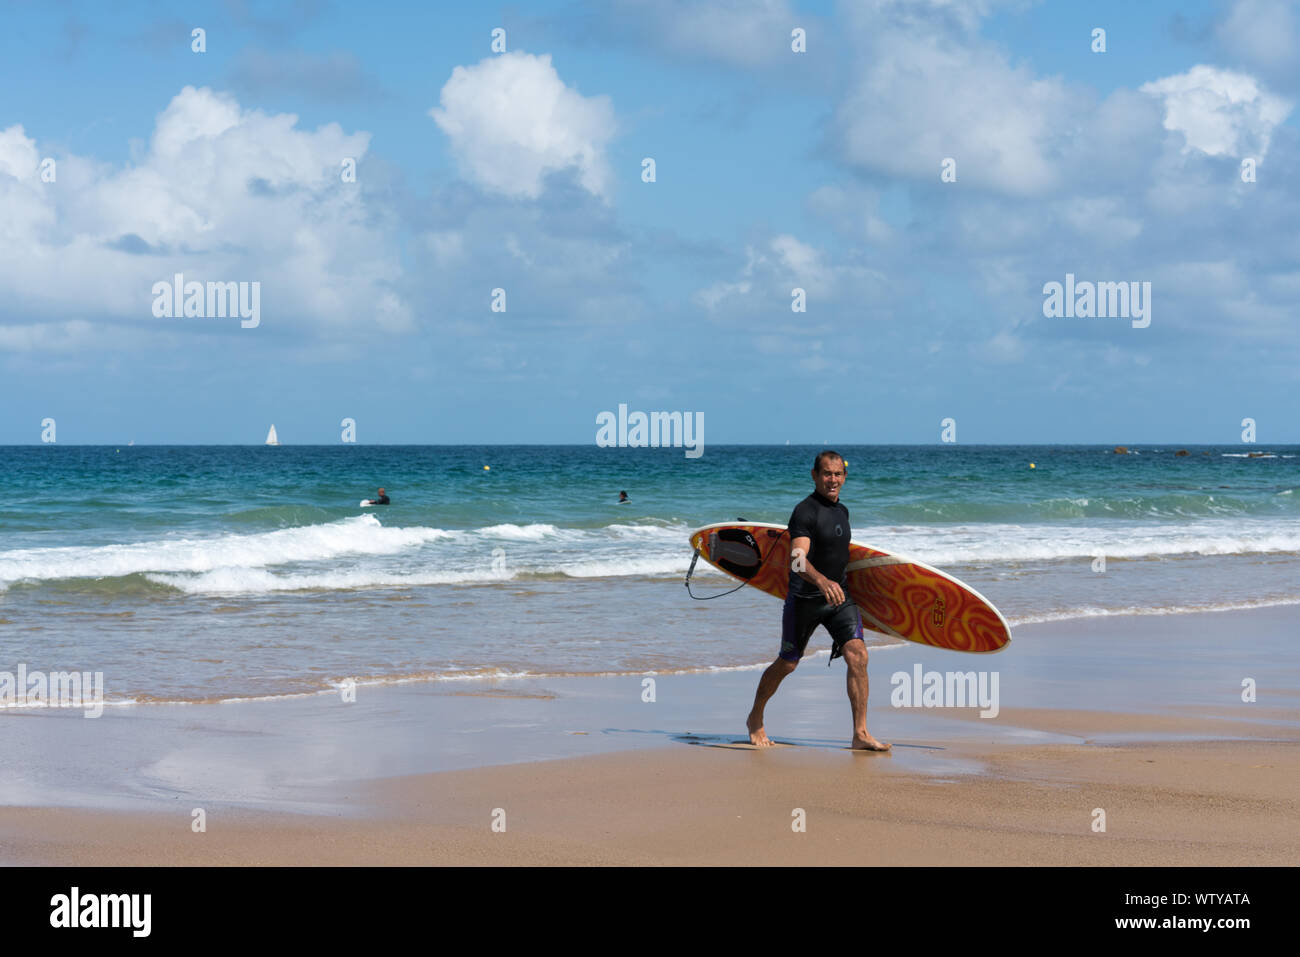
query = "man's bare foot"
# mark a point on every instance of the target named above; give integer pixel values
(865, 742)
(757, 736)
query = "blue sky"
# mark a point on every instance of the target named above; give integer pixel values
(775, 170)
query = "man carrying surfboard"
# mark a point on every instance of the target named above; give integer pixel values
(819, 548)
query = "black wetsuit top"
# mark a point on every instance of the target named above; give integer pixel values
(382, 500)
(826, 526)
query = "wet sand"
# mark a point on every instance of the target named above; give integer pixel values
(1141, 719)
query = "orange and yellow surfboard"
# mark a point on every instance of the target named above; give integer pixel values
(897, 596)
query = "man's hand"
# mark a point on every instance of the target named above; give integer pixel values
(800, 565)
(831, 591)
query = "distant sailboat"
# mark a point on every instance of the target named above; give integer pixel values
(272, 438)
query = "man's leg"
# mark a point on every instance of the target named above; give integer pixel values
(796, 628)
(855, 656)
(767, 685)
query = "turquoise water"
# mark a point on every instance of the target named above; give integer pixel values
(193, 573)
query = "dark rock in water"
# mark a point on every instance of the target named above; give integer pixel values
(1121, 450)
(1181, 452)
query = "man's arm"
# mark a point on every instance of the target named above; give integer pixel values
(802, 567)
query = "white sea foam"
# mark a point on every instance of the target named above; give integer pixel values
(523, 533)
(359, 536)
(665, 533)
(953, 545)
(651, 565)
(236, 581)
(1068, 614)
(360, 552)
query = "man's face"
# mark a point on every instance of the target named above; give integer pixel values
(829, 477)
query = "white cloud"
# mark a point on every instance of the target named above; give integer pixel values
(23, 197)
(512, 120)
(852, 211)
(1219, 112)
(1104, 219)
(47, 337)
(1254, 317)
(713, 296)
(193, 117)
(929, 89)
(513, 247)
(18, 156)
(801, 263)
(1263, 35)
(773, 270)
(1003, 347)
(565, 262)
(446, 246)
(745, 33)
(221, 193)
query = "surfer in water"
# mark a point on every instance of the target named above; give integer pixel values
(381, 500)
(819, 549)
(622, 497)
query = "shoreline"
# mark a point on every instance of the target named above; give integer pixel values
(492, 674)
(1142, 718)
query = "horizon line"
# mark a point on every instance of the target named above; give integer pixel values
(773, 445)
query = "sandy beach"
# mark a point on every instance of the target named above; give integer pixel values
(1137, 723)
(1222, 803)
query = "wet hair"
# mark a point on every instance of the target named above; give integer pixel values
(825, 454)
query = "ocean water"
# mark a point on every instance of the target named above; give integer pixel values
(194, 573)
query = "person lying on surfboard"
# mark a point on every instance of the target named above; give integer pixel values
(819, 549)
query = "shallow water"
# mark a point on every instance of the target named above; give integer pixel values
(203, 573)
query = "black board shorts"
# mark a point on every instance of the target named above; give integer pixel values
(802, 616)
